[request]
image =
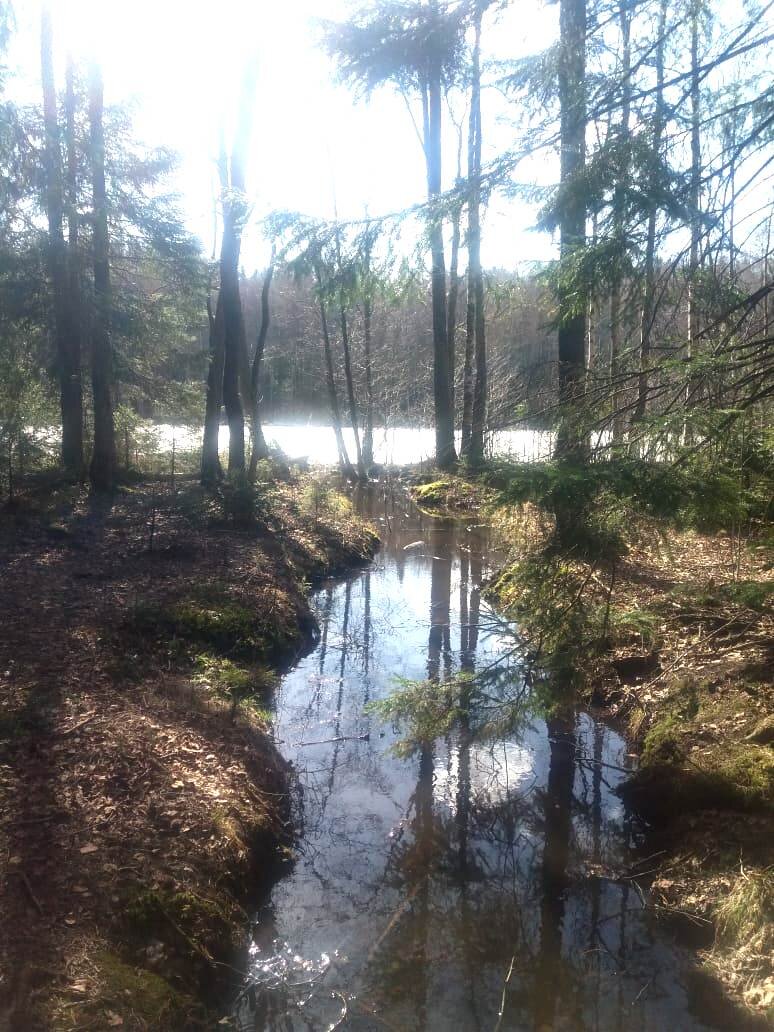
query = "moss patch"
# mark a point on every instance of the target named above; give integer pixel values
(651, 602)
(119, 994)
(205, 926)
(170, 816)
(216, 622)
(697, 756)
(453, 495)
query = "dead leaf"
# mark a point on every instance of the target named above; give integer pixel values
(89, 848)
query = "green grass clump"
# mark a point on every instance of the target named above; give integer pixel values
(433, 493)
(226, 676)
(155, 911)
(752, 594)
(736, 776)
(699, 495)
(682, 771)
(625, 624)
(135, 992)
(748, 909)
(227, 625)
(245, 686)
(452, 494)
(217, 623)
(746, 772)
(322, 502)
(663, 744)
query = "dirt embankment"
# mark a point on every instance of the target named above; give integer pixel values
(675, 640)
(143, 804)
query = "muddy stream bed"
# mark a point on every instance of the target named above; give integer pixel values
(483, 883)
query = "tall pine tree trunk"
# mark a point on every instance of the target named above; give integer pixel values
(470, 308)
(478, 415)
(368, 311)
(649, 292)
(66, 327)
(103, 459)
(232, 339)
(212, 471)
(695, 201)
(259, 449)
(445, 455)
(368, 430)
(75, 286)
(351, 388)
(572, 227)
(349, 380)
(622, 173)
(467, 365)
(454, 291)
(344, 463)
(234, 213)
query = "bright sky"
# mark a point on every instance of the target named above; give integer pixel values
(181, 62)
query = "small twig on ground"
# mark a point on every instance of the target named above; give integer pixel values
(80, 724)
(40, 820)
(685, 652)
(31, 893)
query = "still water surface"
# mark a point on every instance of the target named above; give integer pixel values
(477, 885)
(316, 444)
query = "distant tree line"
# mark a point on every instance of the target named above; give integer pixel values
(650, 334)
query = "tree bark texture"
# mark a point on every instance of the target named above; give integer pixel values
(66, 327)
(103, 459)
(572, 227)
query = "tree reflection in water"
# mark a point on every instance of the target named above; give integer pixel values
(475, 885)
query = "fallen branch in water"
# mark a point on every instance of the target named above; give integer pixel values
(342, 738)
(394, 919)
(501, 1011)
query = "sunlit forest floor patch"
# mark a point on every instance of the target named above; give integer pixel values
(665, 622)
(143, 804)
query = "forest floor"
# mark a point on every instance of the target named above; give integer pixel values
(675, 644)
(143, 805)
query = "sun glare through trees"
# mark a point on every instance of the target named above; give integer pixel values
(386, 493)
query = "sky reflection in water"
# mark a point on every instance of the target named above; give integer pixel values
(476, 885)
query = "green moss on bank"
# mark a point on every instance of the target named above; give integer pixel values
(202, 597)
(453, 494)
(197, 926)
(123, 995)
(654, 601)
(216, 623)
(701, 753)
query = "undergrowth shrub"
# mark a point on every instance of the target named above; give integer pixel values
(243, 503)
(697, 494)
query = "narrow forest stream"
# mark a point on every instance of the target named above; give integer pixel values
(478, 884)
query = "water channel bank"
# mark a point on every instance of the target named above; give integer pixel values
(665, 589)
(490, 878)
(143, 804)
